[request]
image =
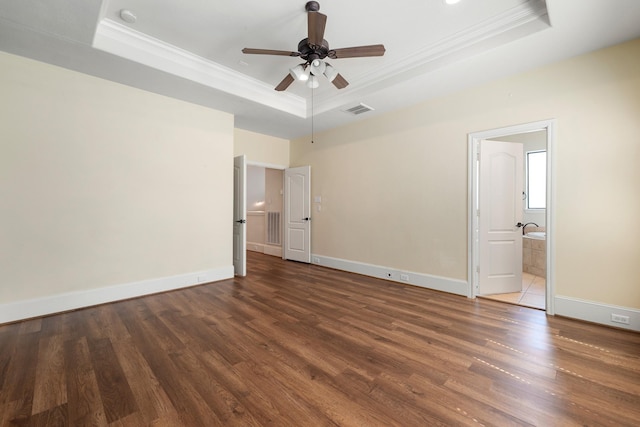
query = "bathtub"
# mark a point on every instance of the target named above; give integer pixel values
(534, 249)
(538, 235)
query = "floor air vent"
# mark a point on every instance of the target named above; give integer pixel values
(358, 109)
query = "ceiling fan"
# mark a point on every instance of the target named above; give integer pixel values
(314, 49)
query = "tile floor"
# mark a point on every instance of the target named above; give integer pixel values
(532, 294)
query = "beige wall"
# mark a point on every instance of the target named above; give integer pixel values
(102, 184)
(274, 189)
(394, 187)
(259, 148)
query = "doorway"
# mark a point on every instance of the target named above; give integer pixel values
(264, 204)
(476, 259)
(286, 195)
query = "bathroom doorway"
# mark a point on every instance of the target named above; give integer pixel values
(534, 228)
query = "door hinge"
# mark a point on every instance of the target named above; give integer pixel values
(477, 268)
(478, 212)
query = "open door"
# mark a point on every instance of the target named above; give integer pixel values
(297, 214)
(239, 216)
(500, 217)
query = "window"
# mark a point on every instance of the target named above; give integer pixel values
(536, 180)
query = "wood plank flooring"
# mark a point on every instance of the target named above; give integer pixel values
(300, 345)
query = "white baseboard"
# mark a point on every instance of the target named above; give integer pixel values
(255, 247)
(445, 284)
(27, 309)
(596, 312)
(265, 249)
(273, 250)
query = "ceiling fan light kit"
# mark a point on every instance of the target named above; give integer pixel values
(317, 67)
(299, 73)
(314, 49)
(330, 73)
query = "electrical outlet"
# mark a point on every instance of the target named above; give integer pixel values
(404, 277)
(619, 318)
(316, 260)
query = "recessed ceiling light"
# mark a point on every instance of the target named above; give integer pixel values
(451, 1)
(127, 16)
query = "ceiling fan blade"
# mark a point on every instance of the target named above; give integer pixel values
(269, 52)
(316, 23)
(340, 82)
(285, 83)
(357, 52)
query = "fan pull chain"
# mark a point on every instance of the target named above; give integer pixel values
(312, 90)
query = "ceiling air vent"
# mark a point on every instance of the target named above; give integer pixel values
(358, 109)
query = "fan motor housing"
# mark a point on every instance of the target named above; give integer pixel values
(310, 53)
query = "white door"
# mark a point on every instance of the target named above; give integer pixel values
(297, 214)
(500, 217)
(239, 216)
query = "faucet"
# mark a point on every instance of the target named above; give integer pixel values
(525, 226)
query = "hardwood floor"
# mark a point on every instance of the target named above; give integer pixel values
(300, 345)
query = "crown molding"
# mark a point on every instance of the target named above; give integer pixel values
(122, 41)
(520, 21)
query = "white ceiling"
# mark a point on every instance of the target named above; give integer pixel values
(191, 49)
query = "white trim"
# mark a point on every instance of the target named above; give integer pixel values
(524, 19)
(266, 165)
(272, 250)
(255, 247)
(27, 309)
(125, 42)
(596, 312)
(472, 183)
(438, 283)
(519, 21)
(550, 218)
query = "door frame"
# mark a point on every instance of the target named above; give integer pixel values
(270, 166)
(240, 216)
(473, 262)
(284, 195)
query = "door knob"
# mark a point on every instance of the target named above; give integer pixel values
(306, 219)
(241, 221)
(519, 224)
